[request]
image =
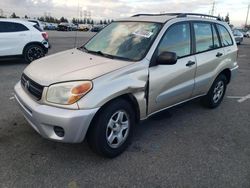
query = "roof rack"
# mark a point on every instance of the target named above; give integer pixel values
(180, 15)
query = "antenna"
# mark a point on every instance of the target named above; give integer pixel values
(78, 9)
(212, 11)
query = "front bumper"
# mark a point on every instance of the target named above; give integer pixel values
(44, 118)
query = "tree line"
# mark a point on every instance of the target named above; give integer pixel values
(52, 19)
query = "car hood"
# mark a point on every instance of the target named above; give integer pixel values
(71, 65)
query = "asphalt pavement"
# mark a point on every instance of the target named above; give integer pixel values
(187, 146)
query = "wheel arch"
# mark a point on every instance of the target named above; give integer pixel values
(129, 97)
(227, 73)
(34, 43)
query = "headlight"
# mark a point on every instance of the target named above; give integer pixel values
(69, 92)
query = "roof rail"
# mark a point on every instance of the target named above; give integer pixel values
(180, 15)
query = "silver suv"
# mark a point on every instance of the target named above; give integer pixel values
(132, 69)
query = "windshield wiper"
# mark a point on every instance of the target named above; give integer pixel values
(122, 58)
(99, 53)
(82, 48)
(104, 55)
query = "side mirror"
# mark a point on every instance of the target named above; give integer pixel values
(166, 58)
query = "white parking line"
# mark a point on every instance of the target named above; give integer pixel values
(12, 96)
(240, 98)
(244, 98)
(243, 55)
(234, 97)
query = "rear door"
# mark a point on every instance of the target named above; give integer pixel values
(13, 37)
(209, 55)
(171, 84)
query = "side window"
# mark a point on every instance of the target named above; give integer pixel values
(216, 38)
(6, 27)
(177, 39)
(1, 27)
(20, 27)
(226, 39)
(203, 37)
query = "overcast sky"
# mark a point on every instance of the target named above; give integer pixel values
(112, 9)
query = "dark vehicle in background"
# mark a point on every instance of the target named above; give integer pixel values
(64, 27)
(238, 36)
(97, 28)
(73, 27)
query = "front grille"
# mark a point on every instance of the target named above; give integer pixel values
(33, 88)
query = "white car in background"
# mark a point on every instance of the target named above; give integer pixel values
(22, 38)
(247, 34)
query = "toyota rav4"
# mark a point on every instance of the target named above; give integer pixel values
(132, 69)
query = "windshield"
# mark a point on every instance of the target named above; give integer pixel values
(124, 40)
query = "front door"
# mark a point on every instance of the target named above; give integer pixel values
(171, 84)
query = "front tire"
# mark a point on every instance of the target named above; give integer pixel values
(111, 131)
(33, 52)
(216, 93)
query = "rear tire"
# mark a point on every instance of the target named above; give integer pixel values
(111, 131)
(33, 52)
(216, 93)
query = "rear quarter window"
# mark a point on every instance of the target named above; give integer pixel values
(226, 39)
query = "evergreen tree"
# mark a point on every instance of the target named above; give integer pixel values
(62, 19)
(227, 19)
(13, 15)
(74, 21)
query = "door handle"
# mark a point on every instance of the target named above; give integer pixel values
(219, 54)
(190, 63)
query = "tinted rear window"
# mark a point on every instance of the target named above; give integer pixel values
(6, 27)
(37, 27)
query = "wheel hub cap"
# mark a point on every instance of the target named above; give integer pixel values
(117, 129)
(218, 91)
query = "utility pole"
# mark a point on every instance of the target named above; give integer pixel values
(247, 14)
(213, 7)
